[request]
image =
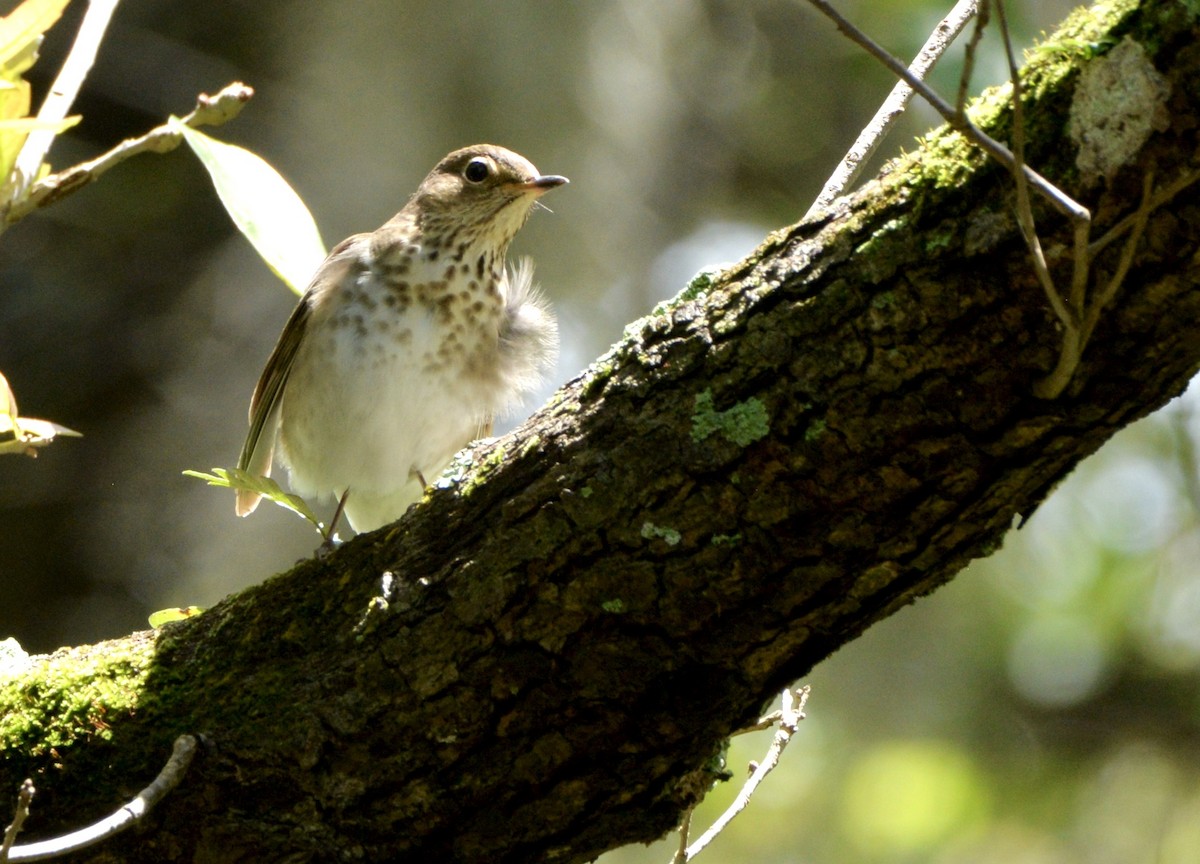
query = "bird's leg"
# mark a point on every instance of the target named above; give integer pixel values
(331, 542)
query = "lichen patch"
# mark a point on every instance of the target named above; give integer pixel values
(1120, 99)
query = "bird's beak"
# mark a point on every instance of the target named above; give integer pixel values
(544, 183)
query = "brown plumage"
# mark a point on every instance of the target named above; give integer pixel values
(408, 341)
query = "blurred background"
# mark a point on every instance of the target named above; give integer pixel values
(1042, 708)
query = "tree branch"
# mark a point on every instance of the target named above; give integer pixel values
(893, 107)
(209, 111)
(542, 660)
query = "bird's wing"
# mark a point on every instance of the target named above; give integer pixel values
(267, 401)
(259, 448)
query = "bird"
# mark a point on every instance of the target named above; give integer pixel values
(407, 343)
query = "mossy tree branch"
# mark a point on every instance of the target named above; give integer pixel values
(542, 660)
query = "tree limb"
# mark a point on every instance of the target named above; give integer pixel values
(209, 111)
(763, 468)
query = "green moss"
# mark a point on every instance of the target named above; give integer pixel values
(726, 539)
(937, 240)
(76, 694)
(725, 325)
(1066, 50)
(743, 424)
(946, 160)
(700, 284)
(476, 478)
(717, 766)
(531, 445)
(597, 375)
(668, 535)
(616, 607)
(814, 431)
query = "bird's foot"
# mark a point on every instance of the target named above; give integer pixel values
(327, 546)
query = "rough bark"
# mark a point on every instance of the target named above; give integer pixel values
(542, 660)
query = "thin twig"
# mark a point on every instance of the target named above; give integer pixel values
(62, 94)
(1161, 197)
(792, 714)
(209, 111)
(685, 826)
(1106, 293)
(136, 809)
(1057, 198)
(1076, 340)
(982, 17)
(24, 799)
(868, 140)
(1068, 315)
(764, 722)
(1070, 312)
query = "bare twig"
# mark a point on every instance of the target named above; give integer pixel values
(868, 140)
(136, 809)
(1076, 339)
(1109, 290)
(1057, 198)
(209, 111)
(685, 823)
(685, 826)
(24, 799)
(764, 722)
(1161, 197)
(1068, 315)
(1074, 313)
(982, 16)
(61, 96)
(791, 714)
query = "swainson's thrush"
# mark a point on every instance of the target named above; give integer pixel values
(407, 343)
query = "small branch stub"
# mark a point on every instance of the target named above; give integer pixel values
(788, 718)
(209, 111)
(24, 799)
(145, 801)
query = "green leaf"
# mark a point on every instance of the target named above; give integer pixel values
(23, 435)
(178, 613)
(235, 478)
(28, 124)
(262, 205)
(21, 34)
(14, 106)
(20, 37)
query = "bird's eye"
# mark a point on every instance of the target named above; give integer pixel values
(477, 170)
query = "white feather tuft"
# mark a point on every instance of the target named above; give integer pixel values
(528, 335)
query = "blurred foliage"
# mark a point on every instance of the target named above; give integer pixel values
(1042, 708)
(21, 34)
